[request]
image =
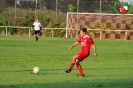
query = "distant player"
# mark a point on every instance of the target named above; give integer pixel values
(37, 28)
(86, 42)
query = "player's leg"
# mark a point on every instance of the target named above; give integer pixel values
(81, 73)
(81, 57)
(72, 64)
(36, 35)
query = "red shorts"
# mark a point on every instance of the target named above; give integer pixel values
(82, 55)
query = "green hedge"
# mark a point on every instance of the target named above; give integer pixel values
(26, 18)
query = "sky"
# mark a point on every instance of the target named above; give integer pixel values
(126, 1)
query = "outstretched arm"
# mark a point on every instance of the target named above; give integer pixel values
(73, 45)
(94, 49)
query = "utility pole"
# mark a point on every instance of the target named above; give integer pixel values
(100, 6)
(77, 6)
(56, 10)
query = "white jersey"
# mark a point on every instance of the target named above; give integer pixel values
(37, 25)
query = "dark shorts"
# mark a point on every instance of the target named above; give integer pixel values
(37, 31)
(82, 55)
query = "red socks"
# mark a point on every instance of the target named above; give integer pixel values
(78, 66)
(80, 69)
(72, 65)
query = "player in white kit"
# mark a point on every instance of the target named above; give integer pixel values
(37, 27)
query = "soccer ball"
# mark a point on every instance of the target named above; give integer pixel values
(36, 70)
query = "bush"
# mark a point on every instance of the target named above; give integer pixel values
(27, 18)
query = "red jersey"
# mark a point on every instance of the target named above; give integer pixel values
(85, 41)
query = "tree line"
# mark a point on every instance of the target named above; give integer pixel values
(84, 5)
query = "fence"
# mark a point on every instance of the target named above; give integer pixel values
(46, 32)
(61, 32)
(14, 28)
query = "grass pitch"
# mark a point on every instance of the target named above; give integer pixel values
(112, 68)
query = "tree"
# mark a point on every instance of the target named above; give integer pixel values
(2, 5)
(9, 3)
(71, 8)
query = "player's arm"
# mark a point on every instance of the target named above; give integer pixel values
(33, 26)
(73, 45)
(94, 49)
(40, 28)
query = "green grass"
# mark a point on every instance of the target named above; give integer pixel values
(112, 68)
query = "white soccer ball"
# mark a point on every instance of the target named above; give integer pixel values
(36, 70)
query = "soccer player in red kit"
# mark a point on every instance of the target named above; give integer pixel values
(86, 42)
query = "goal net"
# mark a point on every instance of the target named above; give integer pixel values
(100, 25)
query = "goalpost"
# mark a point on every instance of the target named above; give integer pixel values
(100, 25)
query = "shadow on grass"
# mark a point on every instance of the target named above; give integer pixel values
(77, 84)
(62, 71)
(66, 69)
